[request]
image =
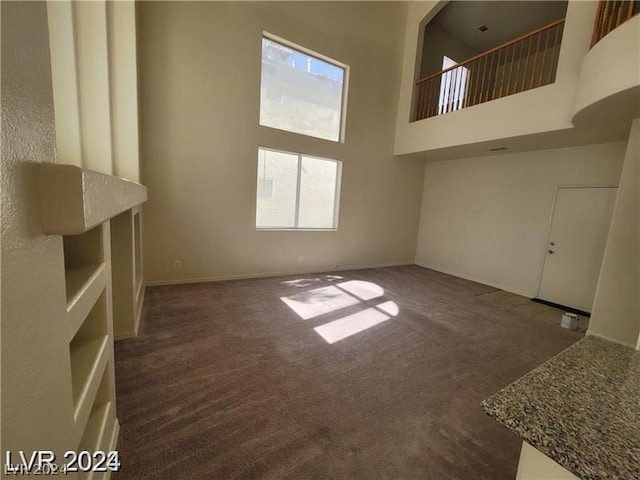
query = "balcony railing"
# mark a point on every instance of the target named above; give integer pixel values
(612, 14)
(524, 63)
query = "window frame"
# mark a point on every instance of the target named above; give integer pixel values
(323, 58)
(337, 191)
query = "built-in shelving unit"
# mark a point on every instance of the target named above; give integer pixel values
(98, 218)
(102, 416)
(87, 260)
(126, 255)
(87, 347)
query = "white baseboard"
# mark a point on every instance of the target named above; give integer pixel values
(328, 269)
(478, 280)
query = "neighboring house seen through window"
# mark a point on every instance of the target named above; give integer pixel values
(301, 91)
(296, 191)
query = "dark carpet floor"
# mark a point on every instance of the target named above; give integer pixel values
(227, 381)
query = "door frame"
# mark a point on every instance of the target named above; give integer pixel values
(550, 221)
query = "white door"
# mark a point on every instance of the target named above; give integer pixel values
(579, 229)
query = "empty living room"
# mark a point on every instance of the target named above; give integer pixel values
(350, 240)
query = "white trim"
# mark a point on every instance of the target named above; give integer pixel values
(343, 108)
(610, 339)
(296, 219)
(318, 270)
(336, 196)
(276, 229)
(477, 280)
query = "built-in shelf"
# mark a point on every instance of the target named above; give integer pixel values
(98, 434)
(83, 256)
(85, 356)
(74, 200)
(126, 270)
(79, 204)
(96, 425)
(92, 438)
(87, 352)
(85, 299)
(77, 280)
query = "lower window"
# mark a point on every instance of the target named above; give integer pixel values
(296, 191)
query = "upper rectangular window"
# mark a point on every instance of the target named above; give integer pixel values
(301, 91)
(296, 191)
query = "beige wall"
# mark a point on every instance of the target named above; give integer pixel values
(487, 218)
(616, 313)
(199, 96)
(123, 82)
(603, 97)
(36, 385)
(494, 120)
(436, 44)
(95, 89)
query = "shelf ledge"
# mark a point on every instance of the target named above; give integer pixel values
(74, 199)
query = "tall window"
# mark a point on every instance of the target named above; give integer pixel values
(301, 91)
(453, 86)
(297, 191)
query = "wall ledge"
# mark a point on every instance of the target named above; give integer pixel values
(74, 200)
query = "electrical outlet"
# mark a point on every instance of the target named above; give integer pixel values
(301, 258)
(177, 264)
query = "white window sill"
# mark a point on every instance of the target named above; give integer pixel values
(296, 229)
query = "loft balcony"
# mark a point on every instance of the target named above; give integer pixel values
(523, 63)
(608, 91)
(578, 95)
(612, 14)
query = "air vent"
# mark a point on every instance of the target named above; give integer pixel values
(483, 28)
(497, 149)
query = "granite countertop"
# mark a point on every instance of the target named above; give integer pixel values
(581, 409)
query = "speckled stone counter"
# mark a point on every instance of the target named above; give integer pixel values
(581, 409)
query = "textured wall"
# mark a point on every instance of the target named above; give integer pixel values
(36, 388)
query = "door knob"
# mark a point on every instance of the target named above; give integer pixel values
(550, 251)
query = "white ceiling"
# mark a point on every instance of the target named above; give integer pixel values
(505, 20)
